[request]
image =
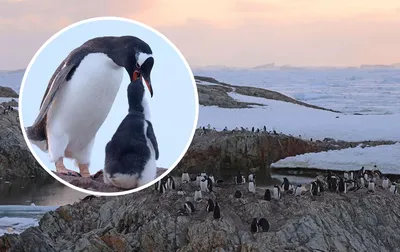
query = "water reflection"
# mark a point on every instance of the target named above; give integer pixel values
(41, 192)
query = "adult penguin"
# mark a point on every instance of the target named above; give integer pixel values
(80, 95)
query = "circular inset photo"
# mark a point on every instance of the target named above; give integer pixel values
(108, 106)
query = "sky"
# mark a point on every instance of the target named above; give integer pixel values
(239, 33)
(173, 106)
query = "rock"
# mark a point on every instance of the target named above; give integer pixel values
(8, 92)
(226, 152)
(148, 221)
(16, 160)
(221, 89)
(96, 182)
(12, 103)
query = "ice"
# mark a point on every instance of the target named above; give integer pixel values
(385, 157)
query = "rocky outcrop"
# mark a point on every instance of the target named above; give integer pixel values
(221, 89)
(12, 103)
(149, 221)
(16, 160)
(96, 181)
(226, 152)
(7, 92)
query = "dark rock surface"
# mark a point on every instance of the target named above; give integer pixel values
(209, 95)
(16, 161)
(219, 151)
(8, 92)
(149, 221)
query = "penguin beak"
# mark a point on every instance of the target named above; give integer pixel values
(148, 83)
(137, 74)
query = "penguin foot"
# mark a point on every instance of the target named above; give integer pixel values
(84, 170)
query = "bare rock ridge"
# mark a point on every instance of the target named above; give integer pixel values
(149, 221)
(8, 92)
(221, 152)
(216, 95)
(16, 161)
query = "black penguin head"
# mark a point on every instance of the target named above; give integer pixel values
(136, 96)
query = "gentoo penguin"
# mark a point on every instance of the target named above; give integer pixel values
(385, 183)
(198, 179)
(277, 192)
(267, 195)
(371, 186)
(252, 187)
(197, 195)
(161, 186)
(210, 206)
(239, 178)
(298, 190)
(252, 178)
(170, 182)
(238, 194)
(212, 178)
(203, 185)
(254, 226)
(346, 175)
(342, 186)
(285, 185)
(80, 95)
(181, 192)
(263, 225)
(189, 207)
(217, 213)
(320, 185)
(132, 152)
(203, 174)
(185, 177)
(209, 184)
(393, 188)
(314, 188)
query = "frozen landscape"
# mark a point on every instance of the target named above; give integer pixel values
(375, 94)
(369, 100)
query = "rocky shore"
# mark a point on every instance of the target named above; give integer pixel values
(149, 221)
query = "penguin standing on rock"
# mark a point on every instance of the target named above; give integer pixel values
(393, 188)
(216, 213)
(238, 194)
(285, 185)
(80, 95)
(254, 226)
(263, 224)
(267, 195)
(210, 206)
(185, 177)
(132, 152)
(277, 192)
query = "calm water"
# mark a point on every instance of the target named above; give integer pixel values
(24, 202)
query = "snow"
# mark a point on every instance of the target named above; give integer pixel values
(297, 120)
(350, 90)
(7, 99)
(373, 92)
(206, 83)
(386, 157)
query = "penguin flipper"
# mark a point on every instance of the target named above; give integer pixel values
(150, 134)
(58, 79)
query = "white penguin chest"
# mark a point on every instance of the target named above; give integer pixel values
(83, 103)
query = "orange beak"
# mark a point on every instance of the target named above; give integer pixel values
(137, 75)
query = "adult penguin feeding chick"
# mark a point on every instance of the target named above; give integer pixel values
(80, 95)
(132, 152)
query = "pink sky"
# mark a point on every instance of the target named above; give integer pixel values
(224, 32)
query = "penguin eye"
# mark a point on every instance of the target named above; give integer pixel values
(137, 66)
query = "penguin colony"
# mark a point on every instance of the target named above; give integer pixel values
(204, 190)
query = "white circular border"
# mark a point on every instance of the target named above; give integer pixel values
(112, 18)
